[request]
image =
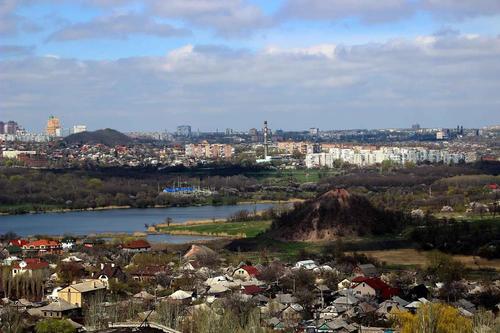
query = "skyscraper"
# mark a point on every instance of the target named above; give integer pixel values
(11, 127)
(54, 127)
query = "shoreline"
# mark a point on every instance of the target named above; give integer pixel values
(195, 233)
(105, 208)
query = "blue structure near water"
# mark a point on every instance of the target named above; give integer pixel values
(178, 189)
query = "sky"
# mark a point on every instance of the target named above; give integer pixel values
(214, 64)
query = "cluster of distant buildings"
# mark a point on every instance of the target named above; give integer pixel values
(205, 150)
(11, 131)
(366, 156)
(312, 148)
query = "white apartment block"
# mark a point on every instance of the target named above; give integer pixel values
(399, 155)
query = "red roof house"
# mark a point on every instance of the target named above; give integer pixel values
(43, 246)
(28, 265)
(251, 290)
(380, 288)
(246, 272)
(139, 245)
(18, 242)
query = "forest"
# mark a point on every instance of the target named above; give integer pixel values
(429, 187)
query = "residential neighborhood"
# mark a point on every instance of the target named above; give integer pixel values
(134, 283)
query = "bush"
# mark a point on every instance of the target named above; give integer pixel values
(54, 326)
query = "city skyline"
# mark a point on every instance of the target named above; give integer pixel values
(67, 129)
(153, 65)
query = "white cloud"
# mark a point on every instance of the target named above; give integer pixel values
(8, 50)
(370, 11)
(119, 26)
(227, 18)
(460, 9)
(434, 80)
(367, 10)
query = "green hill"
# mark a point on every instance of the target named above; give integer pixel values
(108, 137)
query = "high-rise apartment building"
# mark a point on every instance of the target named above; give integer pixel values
(54, 127)
(2, 127)
(79, 129)
(314, 131)
(11, 127)
(184, 130)
(210, 151)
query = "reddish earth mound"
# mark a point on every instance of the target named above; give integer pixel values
(332, 214)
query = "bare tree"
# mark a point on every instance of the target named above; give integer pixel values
(11, 320)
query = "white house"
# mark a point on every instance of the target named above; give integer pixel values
(68, 243)
(306, 264)
(364, 289)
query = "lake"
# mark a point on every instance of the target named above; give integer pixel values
(115, 221)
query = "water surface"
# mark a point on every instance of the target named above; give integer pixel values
(113, 221)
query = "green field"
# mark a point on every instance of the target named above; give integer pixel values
(232, 229)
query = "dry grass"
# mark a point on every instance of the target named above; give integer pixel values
(413, 257)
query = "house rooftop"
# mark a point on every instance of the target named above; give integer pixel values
(58, 306)
(137, 244)
(87, 286)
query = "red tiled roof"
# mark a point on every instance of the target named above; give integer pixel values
(42, 242)
(33, 264)
(383, 288)
(18, 242)
(137, 244)
(252, 271)
(251, 290)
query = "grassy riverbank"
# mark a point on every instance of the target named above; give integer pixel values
(218, 228)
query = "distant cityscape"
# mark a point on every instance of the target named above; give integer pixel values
(311, 148)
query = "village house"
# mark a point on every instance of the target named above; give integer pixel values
(246, 273)
(58, 309)
(110, 272)
(306, 264)
(91, 242)
(42, 246)
(135, 246)
(148, 273)
(373, 287)
(366, 270)
(28, 266)
(68, 243)
(251, 290)
(80, 293)
(18, 242)
(180, 297)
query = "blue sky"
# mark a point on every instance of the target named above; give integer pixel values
(154, 64)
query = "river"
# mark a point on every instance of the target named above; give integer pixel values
(115, 221)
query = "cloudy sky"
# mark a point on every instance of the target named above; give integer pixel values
(216, 64)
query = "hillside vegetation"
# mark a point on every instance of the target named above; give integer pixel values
(108, 137)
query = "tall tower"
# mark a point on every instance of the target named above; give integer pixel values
(53, 127)
(266, 137)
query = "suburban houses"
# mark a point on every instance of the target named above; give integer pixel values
(88, 285)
